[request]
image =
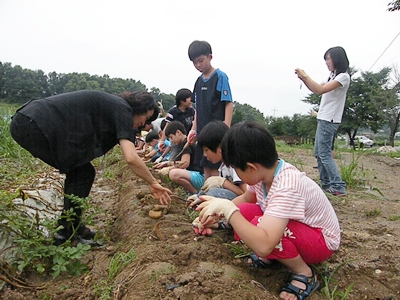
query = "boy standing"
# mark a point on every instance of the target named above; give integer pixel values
(284, 215)
(212, 97)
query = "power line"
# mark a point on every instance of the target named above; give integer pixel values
(384, 51)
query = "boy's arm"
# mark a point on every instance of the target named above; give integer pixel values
(194, 123)
(237, 189)
(183, 163)
(150, 154)
(163, 137)
(161, 158)
(228, 113)
(192, 133)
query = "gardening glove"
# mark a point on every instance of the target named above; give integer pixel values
(191, 137)
(199, 230)
(164, 171)
(158, 160)
(213, 182)
(215, 207)
(193, 201)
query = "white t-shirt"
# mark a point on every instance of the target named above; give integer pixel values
(229, 173)
(295, 196)
(157, 124)
(332, 103)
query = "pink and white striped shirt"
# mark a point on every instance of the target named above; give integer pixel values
(295, 196)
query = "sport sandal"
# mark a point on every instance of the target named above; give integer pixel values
(310, 282)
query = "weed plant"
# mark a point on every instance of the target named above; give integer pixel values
(102, 290)
(119, 261)
(33, 248)
(353, 174)
(331, 288)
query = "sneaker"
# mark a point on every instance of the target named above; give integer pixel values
(335, 193)
(59, 239)
(85, 232)
(79, 240)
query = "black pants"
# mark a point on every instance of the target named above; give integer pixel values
(78, 181)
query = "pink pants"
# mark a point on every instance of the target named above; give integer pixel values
(299, 239)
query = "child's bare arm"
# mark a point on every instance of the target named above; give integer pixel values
(228, 113)
(237, 189)
(184, 162)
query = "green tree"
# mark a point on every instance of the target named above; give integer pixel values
(167, 100)
(242, 112)
(394, 113)
(394, 5)
(81, 81)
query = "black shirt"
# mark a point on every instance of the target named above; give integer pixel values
(185, 117)
(82, 125)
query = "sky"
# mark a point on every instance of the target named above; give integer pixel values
(258, 44)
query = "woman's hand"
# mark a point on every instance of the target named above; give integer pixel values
(300, 74)
(160, 192)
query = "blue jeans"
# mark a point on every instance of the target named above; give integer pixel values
(328, 172)
(219, 193)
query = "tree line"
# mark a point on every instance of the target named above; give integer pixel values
(372, 99)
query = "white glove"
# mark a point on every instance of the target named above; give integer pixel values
(158, 160)
(215, 207)
(193, 201)
(199, 229)
(164, 171)
(213, 182)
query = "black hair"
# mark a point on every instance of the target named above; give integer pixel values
(141, 102)
(182, 95)
(248, 142)
(211, 135)
(152, 135)
(173, 127)
(339, 59)
(197, 48)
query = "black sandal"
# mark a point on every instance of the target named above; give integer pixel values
(257, 262)
(224, 225)
(310, 282)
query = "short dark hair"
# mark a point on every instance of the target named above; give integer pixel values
(152, 135)
(211, 135)
(248, 142)
(141, 102)
(173, 127)
(197, 48)
(339, 59)
(182, 95)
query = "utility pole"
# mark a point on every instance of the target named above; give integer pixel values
(274, 110)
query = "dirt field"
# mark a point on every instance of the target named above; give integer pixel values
(172, 263)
